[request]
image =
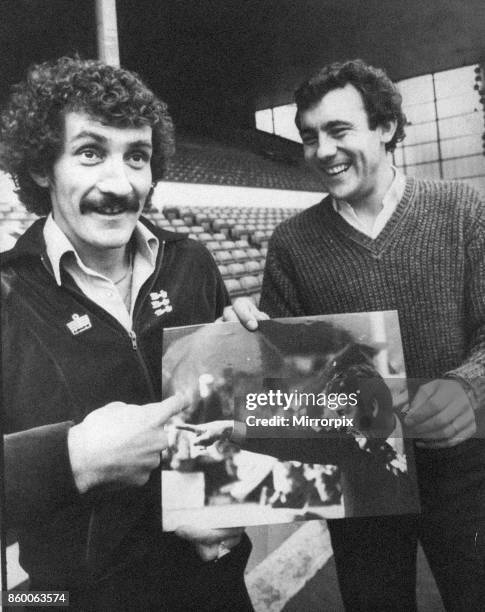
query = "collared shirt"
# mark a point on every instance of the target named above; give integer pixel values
(389, 204)
(94, 285)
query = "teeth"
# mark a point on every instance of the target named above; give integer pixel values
(334, 170)
(110, 211)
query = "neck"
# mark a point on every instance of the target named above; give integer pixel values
(371, 203)
(112, 263)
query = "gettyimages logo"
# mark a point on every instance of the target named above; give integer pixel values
(295, 401)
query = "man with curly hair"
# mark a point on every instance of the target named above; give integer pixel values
(86, 293)
(382, 241)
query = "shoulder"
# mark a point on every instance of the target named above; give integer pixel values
(453, 195)
(30, 243)
(192, 250)
(180, 244)
(455, 204)
(304, 223)
(23, 260)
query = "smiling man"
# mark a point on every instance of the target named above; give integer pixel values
(86, 293)
(381, 241)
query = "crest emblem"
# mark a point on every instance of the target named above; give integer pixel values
(160, 303)
(79, 324)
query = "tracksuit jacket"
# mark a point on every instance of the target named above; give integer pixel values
(63, 356)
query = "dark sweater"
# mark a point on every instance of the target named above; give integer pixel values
(428, 263)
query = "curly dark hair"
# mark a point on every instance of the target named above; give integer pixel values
(381, 97)
(32, 125)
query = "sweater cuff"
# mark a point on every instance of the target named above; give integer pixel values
(473, 387)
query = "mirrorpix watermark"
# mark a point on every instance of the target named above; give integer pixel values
(296, 401)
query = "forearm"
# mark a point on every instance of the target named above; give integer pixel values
(471, 372)
(38, 476)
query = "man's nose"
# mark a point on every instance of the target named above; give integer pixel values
(327, 147)
(114, 178)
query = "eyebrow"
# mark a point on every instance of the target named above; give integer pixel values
(338, 123)
(86, 134)
(141, 143)
(92, 135)
(335, 123)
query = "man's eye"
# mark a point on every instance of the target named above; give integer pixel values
(138, 160)
(339, 133)
(90, 156)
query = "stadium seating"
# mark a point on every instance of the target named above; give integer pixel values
(236, 237)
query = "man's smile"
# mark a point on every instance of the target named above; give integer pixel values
(336, 169)
(110, 205)
(110, 210)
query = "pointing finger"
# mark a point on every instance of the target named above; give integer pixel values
(163, 411)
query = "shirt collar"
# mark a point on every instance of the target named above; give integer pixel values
(58, 244)
(391, 198)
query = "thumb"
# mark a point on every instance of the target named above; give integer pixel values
(229, 315)
(247, 313)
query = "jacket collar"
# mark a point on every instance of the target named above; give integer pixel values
(31, 242)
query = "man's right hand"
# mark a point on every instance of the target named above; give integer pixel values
(246, 312)
(120, 444)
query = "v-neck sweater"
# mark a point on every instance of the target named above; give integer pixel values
(428, 263)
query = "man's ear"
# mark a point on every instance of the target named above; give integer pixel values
(387, 131)
(40, 178)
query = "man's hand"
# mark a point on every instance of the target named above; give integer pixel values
(120, 444)
(208, 433)
(244, 310)
(441, 415)
(211, 544)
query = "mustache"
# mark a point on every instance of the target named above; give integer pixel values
(128, 203)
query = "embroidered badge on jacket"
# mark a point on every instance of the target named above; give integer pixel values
(160, 303)
(79, 324)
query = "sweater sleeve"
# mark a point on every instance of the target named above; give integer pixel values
(471, 372)
(38, 475)
(279, 293)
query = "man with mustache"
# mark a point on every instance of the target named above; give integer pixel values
(383, 241)
(86, 293)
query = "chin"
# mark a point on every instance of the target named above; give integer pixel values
(340, 194)
(114, 241)
(347, 193)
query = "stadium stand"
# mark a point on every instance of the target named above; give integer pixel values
(240, 260)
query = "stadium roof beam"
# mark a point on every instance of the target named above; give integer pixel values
(107, 32)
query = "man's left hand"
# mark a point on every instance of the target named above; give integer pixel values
(211, 544)
(441, 415)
